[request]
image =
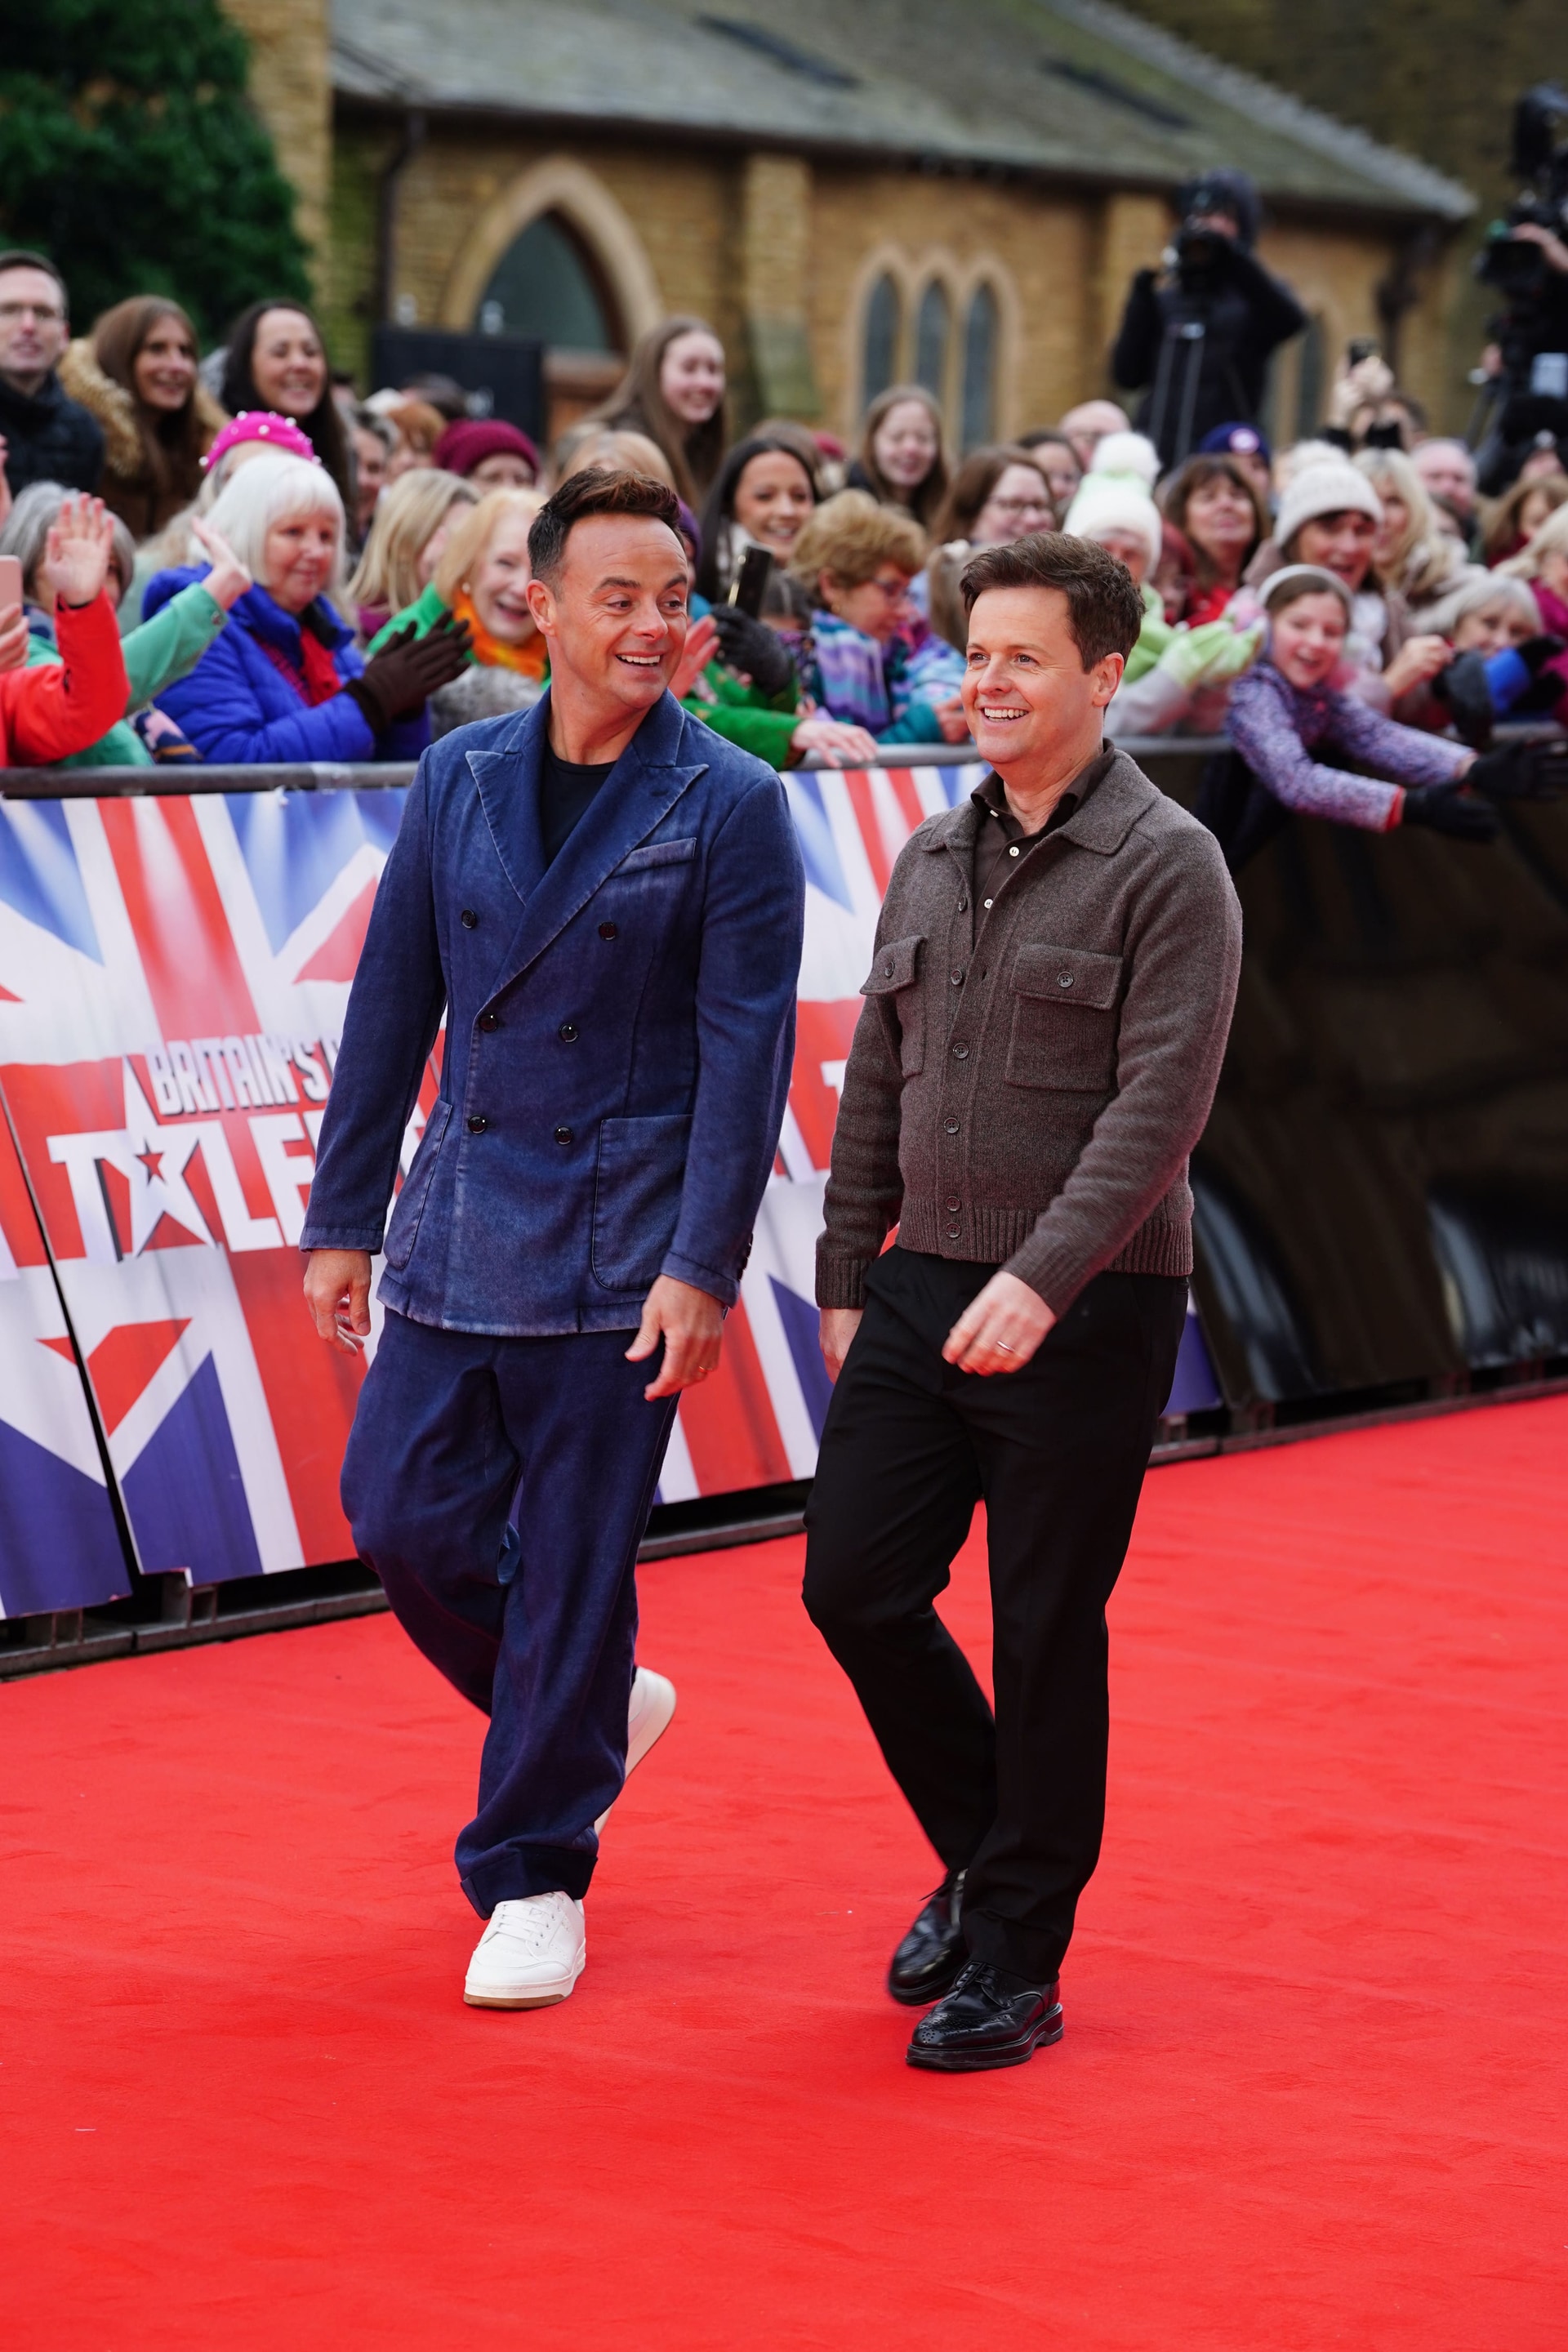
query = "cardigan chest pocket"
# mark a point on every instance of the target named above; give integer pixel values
(895, 980)
(1066, 1010)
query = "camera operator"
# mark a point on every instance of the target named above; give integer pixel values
(1525, 257)
(1199, 330)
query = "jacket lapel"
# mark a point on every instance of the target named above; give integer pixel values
(641, 788)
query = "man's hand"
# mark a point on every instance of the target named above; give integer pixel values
(839, 1325)
(999, 1330)
(690, 1322)
(337, 1292)
(77, 552)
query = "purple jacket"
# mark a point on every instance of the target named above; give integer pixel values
(238, 707)
(1276, 727)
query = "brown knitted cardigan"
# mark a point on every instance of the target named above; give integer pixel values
(1031, 1099)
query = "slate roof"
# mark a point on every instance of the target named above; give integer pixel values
(1078, 89)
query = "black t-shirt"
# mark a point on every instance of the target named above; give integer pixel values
(565, 791)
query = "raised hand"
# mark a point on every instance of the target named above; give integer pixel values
(77, 552)
(229, 578)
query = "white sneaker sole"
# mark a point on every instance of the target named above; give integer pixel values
(651, 1726)
(542, 1996)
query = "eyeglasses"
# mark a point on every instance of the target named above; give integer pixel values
(1016, 507)
(46, 311)
(893, 590)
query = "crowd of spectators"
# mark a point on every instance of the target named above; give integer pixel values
(292, 572)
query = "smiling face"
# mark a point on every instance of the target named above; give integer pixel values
(772, 499)
(499, 582)
(1029, 701)
(288, 365)
(164, 370)
(1342, 543)
(298, 558)
(615, 618)
(905, 445)
(1019, 504)
(691, 376)
(1493, 629)
(1306, 640)
(1221, 521)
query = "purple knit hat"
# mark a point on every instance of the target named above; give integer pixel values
(263, 424)
(466, 444)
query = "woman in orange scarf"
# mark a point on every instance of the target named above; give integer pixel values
(482, 579)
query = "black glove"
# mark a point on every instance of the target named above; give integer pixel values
(1536, 652)
(1523, 771)
(753, 647)
(398, 681)
(1446, 810)
(1463, 688)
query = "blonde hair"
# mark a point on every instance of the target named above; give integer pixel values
(849, 535)
(408, 514)
(613, 449)
(270, 490)
(1502, 529)
(470, 537)
(1422, 561)
(1549, 539)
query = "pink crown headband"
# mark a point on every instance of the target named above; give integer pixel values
(262, 425)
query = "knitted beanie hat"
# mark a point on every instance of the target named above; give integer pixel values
(1331, 487)
(1114, 502)
(467, 443)
(263, 424)
(1131, 457)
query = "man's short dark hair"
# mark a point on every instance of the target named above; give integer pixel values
(1105, 611)
(594, 493)
(17, 259)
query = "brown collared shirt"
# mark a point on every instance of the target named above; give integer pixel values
(1001, 841)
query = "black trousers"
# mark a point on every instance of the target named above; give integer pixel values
(1057, 1452)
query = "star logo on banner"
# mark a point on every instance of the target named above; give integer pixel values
(158, 1156)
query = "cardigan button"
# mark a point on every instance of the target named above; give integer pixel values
(477, 1125)
(961, 1053)
(953, 1126)
(957, 978)
(1063, 980)
(469, 920)
(953, 1208)
(964, 906)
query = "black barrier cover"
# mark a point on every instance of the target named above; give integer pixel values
(1382, 1187)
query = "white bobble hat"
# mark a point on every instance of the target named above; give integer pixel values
(1330, 487)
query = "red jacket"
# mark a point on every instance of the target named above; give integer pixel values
(54, 709)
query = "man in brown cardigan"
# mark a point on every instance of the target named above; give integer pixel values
(1045, 1019)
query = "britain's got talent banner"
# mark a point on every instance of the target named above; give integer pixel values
(173, 974)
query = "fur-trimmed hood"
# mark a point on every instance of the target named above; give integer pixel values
(115, 410)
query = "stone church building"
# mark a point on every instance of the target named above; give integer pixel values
(953, 190)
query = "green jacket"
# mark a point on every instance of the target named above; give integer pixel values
(156, 653)
(746, 717)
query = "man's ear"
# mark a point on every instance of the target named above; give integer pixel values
(1107, 677)
(541, 604)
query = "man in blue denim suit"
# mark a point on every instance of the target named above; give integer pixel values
(605, 898)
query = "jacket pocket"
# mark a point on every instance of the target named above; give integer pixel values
(638, 1182)
(895, 978)
(403, 1232)
(657, 853)
(1066, 1015)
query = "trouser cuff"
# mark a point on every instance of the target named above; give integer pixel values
(1023, 1952)
(506, 1876)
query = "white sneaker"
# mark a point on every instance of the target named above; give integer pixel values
(648, 1718)
(531, 1954)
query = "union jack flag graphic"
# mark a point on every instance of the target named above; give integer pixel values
(174, 975)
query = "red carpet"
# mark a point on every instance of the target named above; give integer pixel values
(1311, 2092)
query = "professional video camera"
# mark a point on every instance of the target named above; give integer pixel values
(1196, 248)
(1529, 398)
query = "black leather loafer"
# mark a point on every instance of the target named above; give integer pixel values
(927, 1962)
(986, 2021)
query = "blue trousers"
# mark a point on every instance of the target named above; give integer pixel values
(531, 1613)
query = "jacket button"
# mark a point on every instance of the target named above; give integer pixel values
(961, 1053)
(1013, 850)
(478, 1126)
(469, 920)
(1063, 980)
(563, 1135)
(489, 1021)
(953, 1126)
(609, 932)
(567, 1032)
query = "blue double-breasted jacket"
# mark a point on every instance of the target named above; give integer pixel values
(619, 1029)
